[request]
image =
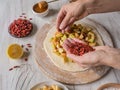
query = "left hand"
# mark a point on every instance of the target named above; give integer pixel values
(70, 13)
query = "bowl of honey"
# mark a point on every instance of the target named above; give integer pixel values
(41, 9)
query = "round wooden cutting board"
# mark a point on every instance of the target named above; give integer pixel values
(55, 73)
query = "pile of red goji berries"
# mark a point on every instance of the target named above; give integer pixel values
(80, 49)
(20, 28)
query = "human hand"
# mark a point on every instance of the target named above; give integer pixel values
(82, 8)
(70, 13)
(103, 55)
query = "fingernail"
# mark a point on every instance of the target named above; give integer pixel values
(66, 29)
(63, 31)
(61, 26)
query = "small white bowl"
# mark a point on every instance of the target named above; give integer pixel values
(41, 14)
(39, 85)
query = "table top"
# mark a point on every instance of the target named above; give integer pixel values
(29, 74)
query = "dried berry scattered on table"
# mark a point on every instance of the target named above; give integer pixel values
(29, 44)
(23, 13)
(16, 67)
(26, 59)
(27, 49)
(25, 17)
(10, 69)
(22, 46)
(30, 19)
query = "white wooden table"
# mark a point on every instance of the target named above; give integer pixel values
(29, 74)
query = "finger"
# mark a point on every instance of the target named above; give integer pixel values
(74, 57)
(60, 18)
(82, 65)
(72, 20)
(67, 29)
(85, 59)
(63, 31)
(65, 21)
(68, 43)
(71, 41)
(66, 47)
(78, 59)
(88, 57)
(92, 58)
(80, 41)
(74, 40)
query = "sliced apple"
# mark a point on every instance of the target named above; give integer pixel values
(71, 36)
(93, 44)
(91, 37)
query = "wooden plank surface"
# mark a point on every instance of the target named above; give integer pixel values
(24, 78)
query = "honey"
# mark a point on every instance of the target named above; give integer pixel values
(40, 7)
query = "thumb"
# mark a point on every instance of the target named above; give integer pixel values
(87, 58)
(75, 58)
(79, 60)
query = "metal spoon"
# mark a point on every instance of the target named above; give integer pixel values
(44, 4)
(52, 1)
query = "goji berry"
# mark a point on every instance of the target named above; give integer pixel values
(26, 59)
(26, 49)
(23, 13)
(10, 69)
(16, 67)
(18, 26)
(80, 49)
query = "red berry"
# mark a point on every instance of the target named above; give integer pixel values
(10, 69)
(20, 27)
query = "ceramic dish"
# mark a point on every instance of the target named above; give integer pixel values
(40, 14)
(39, 85)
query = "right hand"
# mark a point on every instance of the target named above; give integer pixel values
(103, 55)
(70, 13)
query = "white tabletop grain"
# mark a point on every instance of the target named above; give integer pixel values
(29, 74)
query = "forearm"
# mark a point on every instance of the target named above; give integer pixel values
(102, 6)
(112, 58)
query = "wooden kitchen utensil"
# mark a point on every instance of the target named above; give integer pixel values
(55, 73)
